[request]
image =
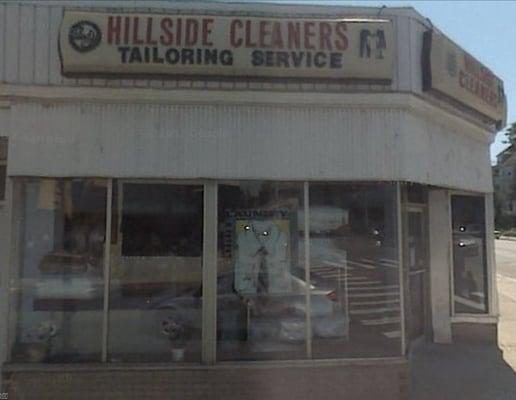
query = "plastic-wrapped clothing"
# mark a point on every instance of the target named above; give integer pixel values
(262, 250)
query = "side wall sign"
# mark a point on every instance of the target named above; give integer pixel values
(161, 44)
(451, 71)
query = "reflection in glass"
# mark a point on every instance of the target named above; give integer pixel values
(469, 261)
(417, 260)
(3, 171)
(354, 255)
(261, 277)
(156, 273)
(59, 282)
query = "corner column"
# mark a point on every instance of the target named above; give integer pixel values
(440, 264)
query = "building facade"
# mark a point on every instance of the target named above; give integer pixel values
(504, 180)
(222, 201)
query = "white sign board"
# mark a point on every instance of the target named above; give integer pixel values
(450, 70)
(161, 44)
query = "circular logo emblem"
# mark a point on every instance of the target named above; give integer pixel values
(84, 36)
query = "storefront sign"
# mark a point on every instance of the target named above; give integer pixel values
(161, 44)
(450, 70)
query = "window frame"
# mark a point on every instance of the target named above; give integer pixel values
(488, 279)
(208, 323)
(3, 163)
(209, 268)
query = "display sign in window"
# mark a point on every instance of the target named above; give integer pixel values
(262, 286)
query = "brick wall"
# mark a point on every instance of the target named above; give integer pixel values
(385, 380)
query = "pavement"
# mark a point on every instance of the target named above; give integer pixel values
(474, 371)
(506, 281)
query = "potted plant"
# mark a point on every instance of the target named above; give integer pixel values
(176, 332)
(37, 342)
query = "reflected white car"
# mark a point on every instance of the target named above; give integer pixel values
(261, 316)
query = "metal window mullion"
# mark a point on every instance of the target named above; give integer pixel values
(107, 270)
(209, 275)
(401, 268)
(490, 256)
(14, 201)
(306, 206)
(451, 263)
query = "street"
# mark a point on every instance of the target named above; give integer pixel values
(506, 278)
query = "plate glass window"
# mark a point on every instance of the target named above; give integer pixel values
(155, 299)
(354, 266)
(58, 285)
(262, 287)
(469, 254)
(3, 167)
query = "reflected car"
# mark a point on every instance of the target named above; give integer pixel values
(259, 316)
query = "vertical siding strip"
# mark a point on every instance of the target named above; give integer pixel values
(26, 44)
(55, 77)
(3, 31)
(12, 50)
(41, 47)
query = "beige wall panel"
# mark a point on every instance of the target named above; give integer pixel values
(439, 234)
(255, 142)
(39, 37)
(445, 156)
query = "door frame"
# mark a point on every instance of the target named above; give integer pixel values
(209, 256)
(423, 210)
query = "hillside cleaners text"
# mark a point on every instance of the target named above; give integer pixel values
(189, 41)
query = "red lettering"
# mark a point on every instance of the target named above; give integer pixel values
(324, 36)
(191, 31)
(486, 76)
(167, 37)
(341, 43)
(113, 29)
(148, 38)
(470, 64)
(179, 24)
(294, 35)
(276, 37)
(248, 42)
(462, 79)
(235, 42)
(264, 33)
(309, 35)
(127, 25)
(136, 25)
(206, 31)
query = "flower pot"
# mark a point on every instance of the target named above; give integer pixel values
(36, 352)
(178, 355)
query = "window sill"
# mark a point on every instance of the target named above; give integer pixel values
(475, 318)
(24, 367)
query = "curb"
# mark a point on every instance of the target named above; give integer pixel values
(513, 239)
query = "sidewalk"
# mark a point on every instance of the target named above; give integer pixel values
(473, 371)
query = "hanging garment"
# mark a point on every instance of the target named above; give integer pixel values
(262, 264)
